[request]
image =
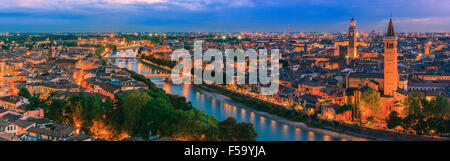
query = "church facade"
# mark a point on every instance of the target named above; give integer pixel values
(385, 83)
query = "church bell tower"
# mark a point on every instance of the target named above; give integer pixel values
(390, 61)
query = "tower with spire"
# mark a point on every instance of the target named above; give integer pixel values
(390, 61)
(351, 52)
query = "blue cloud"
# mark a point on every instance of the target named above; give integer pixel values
(220, 15)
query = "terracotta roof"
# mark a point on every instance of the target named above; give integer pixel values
(39, 121)
(108, 87)
(366, 75)
(11, 117)
(310, 98)
(22, 123)
(59, 131)
(78, 137)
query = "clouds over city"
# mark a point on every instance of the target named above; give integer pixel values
(105, 4)
(221, 15)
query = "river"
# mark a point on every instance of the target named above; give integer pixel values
(216, 105)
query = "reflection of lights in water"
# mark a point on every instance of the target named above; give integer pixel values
(310, 136)
(220, 108)
(166, 87)
(197, 98)
(139, 67)
(297, 133)
(252, 117)
(285, 127)
(262, 122)
(242, 114)
(186, 90)
(213, 104)
(285, 130)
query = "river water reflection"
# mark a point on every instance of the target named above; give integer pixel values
(215, 105)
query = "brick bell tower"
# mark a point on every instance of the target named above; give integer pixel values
(351, 49)
(390, 61)
(351, 52)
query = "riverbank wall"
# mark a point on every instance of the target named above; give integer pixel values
(370, 133)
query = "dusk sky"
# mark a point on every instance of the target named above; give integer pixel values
(221, 15)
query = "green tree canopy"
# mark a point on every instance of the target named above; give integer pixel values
(25, 93)
(370, 103)
(393, 120)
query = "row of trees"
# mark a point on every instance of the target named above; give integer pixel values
(422, 116)
(140, 114)
(100, 50)
(369, 107)
(144, 114)
(267, 107)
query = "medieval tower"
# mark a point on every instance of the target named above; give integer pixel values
(351, 52)
(390, 61)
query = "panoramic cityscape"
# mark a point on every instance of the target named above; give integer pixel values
(63, 79)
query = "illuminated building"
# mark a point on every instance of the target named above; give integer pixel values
(390, 61)
(351, 52)
(427, 48)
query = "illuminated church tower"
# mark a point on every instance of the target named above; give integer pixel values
(427, 48)
(351, 52)
(390, 61)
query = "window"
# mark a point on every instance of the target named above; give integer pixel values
(389, 45)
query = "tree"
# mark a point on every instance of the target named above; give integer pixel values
(420, 127)
(393, 120)
(230, 130)
(414, 104)
(226, 128)
(132, 105)
(142, 114)
(369, 104)
(408, 122)
(246, 132)
(284, 63)
(25, 93)
(36, 103)
(437, 125)
(100, 50)
(438, 107)
(57, 110)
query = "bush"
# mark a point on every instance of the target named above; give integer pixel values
(393, 120)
